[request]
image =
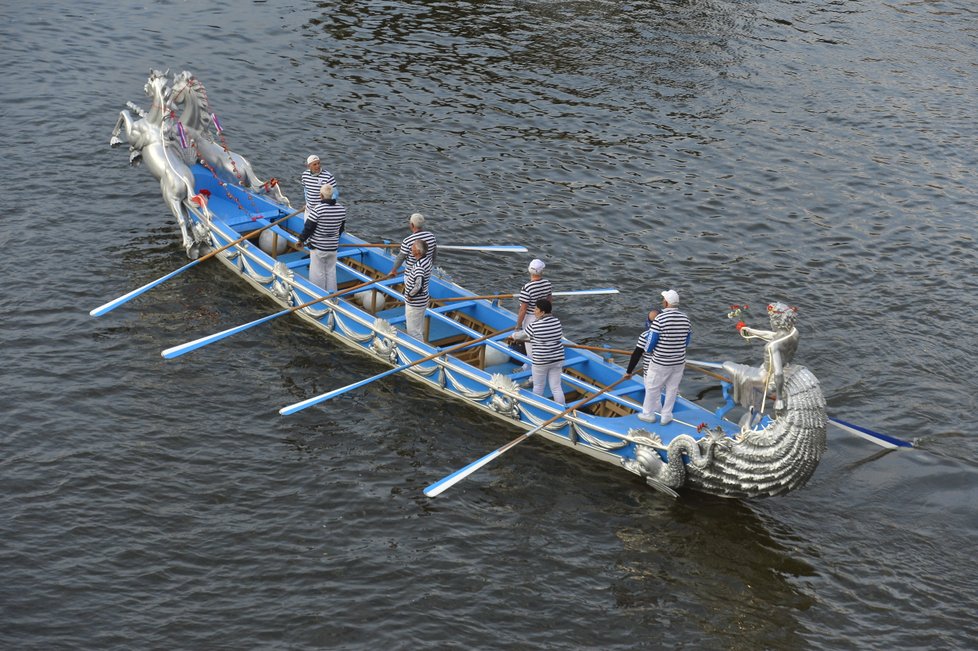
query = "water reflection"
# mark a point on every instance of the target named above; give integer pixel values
(745, 592)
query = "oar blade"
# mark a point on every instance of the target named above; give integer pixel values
(315, 400)
(122, 300)
(880, 439)
(445, 483)
(182, 349)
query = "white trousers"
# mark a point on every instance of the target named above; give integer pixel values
(322, 269)
(548, 373)
(414, 321)
(657, 378)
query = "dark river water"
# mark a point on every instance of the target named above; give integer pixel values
(817, 152)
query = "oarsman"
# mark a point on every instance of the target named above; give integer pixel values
(538, 288)
(313, 179)
(665, 344)
(546, 335)
(416, 296)
(418, 233)
(322, 233)
(640, 346)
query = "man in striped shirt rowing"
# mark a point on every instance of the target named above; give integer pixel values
(547, 335)
(416, 224)
(538, 288)
(416, 296)
(313, 179)
(322, 231)
(641, 345)
(668, 337)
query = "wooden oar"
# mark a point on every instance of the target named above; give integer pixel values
(445, 483)
(613, 351)
(578, 292)
(111, 305)
(299, 406)
(883, 440)
(500, 248)
(176, 351)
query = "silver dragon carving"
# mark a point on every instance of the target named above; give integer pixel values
(770, 456)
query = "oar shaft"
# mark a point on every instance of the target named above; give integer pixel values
(299, 406)
(111, 305)
(614, 351)
(249, 235)
(182, 349)
(578, 292)
(485, 297)
(445, 483)
(498, 248)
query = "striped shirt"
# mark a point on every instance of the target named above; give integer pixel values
(405, 250)
(533, 291)
(668, 337)
(311, 183)
(416, 283)
(546, 335)
(327, 221)
(643, 343)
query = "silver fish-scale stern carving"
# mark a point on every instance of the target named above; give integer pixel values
(770, 461)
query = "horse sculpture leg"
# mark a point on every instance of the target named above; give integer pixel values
(174, 197)
(254, 182)
(125, 119)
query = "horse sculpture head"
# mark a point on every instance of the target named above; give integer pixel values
(156, 85)
(189, 92)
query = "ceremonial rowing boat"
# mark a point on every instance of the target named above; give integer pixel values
(464, 354)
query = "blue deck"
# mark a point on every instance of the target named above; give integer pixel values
(238, 212)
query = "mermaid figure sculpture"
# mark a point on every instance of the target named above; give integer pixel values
(770, 456)
(751, 384)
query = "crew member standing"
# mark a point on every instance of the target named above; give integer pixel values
(538, 288)
(416, 296)
(666, 343)
(418, 232)
(641, 345)
(313, 179)
(547, 336)
(322, 231)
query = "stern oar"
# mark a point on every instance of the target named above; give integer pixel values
(445, 483)
(299, 406)
(111, 305)
(176, 351)
(883, 440)
(576, 292)
(497, 248)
